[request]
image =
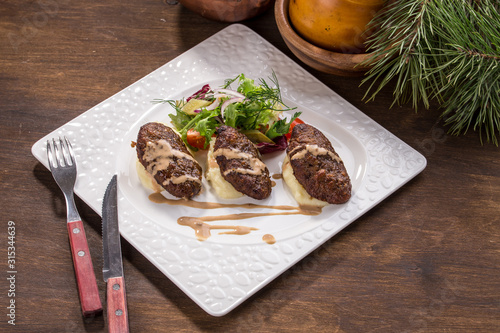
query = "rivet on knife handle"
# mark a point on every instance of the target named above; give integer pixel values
(117, 305)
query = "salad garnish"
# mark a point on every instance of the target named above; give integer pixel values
(254, 109)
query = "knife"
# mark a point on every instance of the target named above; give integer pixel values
(112, 270)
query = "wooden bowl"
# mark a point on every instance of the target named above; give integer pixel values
(342, 64)
(227, 10)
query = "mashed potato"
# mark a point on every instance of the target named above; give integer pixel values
(147, 180)
(298, 191)
(222, 187)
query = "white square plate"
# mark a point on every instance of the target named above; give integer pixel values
(223, 271)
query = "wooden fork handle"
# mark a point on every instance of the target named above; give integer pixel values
(117, 306)
(84, 270)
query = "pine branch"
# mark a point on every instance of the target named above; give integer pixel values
(443, 49)
(470, 66)
(399, 52)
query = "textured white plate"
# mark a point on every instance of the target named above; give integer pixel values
(223, 271)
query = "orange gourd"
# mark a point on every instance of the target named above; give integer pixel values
(335, 25)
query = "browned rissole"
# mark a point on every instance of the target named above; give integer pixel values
(257, 183)
(323, 175)
(178, 160)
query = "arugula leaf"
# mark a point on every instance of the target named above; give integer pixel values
(180, 119)
(207, 127)
(204, 123)
(281, 127)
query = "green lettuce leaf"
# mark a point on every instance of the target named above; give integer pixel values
(281, 127)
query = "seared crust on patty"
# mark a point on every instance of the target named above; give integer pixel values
(240, 164)
(163, 153)
(316, 165)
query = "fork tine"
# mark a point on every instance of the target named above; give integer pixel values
(64, 153)
(50, 155)
(71, 154)
(58, 153)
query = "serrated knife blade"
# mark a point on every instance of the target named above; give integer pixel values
(113, 265)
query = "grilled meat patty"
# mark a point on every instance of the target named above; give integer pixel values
(240, 164)
(317, 166)
(163, 153)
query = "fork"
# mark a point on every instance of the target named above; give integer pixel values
(63, 167)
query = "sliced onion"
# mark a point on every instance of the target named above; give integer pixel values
(222, 93)
(229, 92)
(228, 102)
(214, 104)
(219, 95)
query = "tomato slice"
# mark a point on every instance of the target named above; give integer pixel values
(195, 139)
(292, 125)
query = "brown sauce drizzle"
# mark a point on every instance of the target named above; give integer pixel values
(202, 228)
(277, 176)
(269, 239)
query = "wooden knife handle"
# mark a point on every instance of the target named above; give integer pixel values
(84, 270)
(117, 305)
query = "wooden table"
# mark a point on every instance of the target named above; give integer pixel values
(425, 260)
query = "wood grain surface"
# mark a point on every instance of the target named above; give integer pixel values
(425, 260)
